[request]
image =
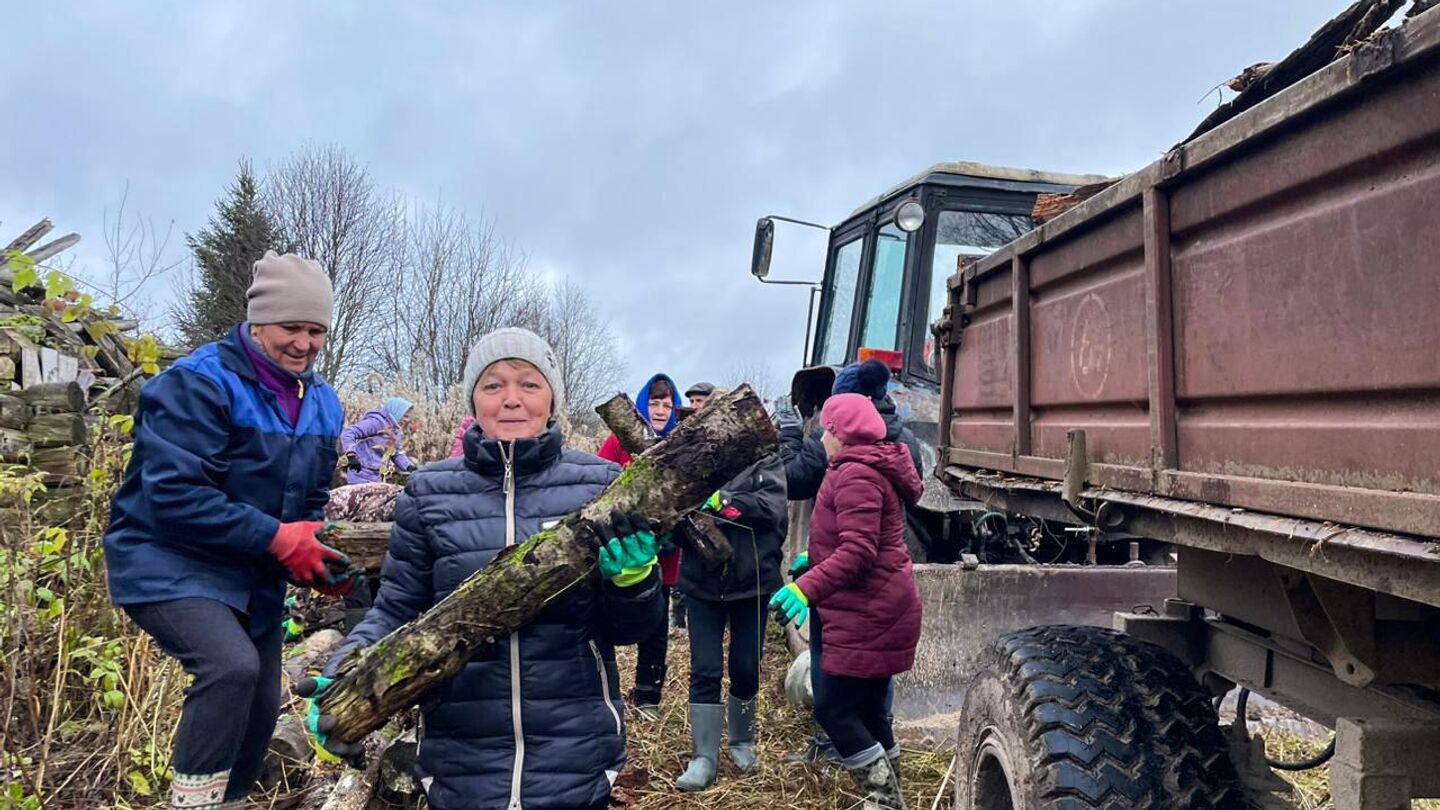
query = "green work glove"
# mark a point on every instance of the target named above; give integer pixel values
(791, 605)
(800, 566)
(627, 549)
(320, 725)
(294, 627)
(717, 505)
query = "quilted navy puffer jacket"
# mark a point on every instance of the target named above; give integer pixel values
(536, 721)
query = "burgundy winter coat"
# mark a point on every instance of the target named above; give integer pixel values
(860, 578)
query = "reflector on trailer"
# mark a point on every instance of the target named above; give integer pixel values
(895, 361)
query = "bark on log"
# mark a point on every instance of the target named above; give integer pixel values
(288, 758)
(1352, 25)
(396, 783)
(364, 543)
(57, 430)
(66, 397)
(623, 419)
(672, 478)
(697, 532)
(355, 788)
(15, 413)
(14, 446)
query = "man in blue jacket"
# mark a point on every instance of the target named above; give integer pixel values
(228, 479)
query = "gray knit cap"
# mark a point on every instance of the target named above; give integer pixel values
(514, 343)
(289, 289)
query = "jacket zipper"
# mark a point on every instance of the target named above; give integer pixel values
(518, 727)
(605, 687)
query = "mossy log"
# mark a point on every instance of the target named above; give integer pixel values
(57, 430)
(67, 397)
(664, 483)
(696, 532)
(15, 413)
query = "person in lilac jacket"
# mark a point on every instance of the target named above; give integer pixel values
(377, 436)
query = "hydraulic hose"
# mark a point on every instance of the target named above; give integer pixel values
(1242, 701)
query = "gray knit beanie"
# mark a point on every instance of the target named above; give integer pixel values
(514, 343)
(289, 289)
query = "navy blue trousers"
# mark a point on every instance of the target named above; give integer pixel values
(707, 620)
(231, 707)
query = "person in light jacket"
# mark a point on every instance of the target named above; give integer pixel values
(536, 720)
(378, 437)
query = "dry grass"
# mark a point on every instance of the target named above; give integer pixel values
(659, 751)
(1312, 787)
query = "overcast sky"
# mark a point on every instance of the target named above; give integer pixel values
(628, 145)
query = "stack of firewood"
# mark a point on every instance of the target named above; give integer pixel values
(44, 427)
(62, 357)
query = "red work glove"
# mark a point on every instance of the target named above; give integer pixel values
(301, 552)
(344, 587)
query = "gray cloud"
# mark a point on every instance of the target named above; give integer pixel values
(630, 145)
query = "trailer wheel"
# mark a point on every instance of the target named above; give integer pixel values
(1083, 717)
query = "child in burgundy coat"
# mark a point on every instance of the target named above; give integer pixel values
(862, 588)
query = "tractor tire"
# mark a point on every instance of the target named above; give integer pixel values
(1075, 718)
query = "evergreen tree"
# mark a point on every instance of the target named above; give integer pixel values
(225, 252)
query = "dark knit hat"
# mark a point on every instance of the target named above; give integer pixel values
(869, 378)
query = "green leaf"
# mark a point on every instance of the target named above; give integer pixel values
(115, 699)
(22, 270)
(140, 784)
(44, 595)
(57, 284)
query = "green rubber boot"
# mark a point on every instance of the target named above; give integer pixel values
(740, 731)
(705, 720)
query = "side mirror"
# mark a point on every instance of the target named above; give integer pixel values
(764, 243)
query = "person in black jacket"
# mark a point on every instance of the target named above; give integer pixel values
(805, 461)
(536, 719)
(751, 511)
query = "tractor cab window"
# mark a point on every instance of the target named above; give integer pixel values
(970, 234)
(842, 301)
(887, 279)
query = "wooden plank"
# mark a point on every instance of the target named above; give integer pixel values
(49, 365)
(29, 366)
(31, 235)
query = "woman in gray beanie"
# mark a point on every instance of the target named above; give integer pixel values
(535, 721)
(227, 484)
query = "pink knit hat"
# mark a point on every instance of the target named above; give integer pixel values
(852, 419)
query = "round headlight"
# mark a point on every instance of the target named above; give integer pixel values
(910, 216)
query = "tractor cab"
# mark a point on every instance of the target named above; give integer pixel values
(886, 269)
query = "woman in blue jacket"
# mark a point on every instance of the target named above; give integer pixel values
(228, 478)
(535, 721)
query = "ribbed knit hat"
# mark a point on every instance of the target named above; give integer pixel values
(289, 289)
(514, 343)
(852, 419)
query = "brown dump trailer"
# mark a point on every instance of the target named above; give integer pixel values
(1236, 351)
